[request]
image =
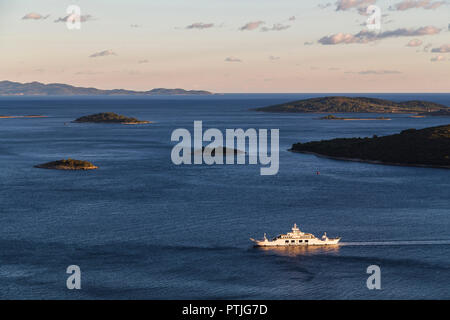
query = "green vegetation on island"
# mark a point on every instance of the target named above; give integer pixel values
(109, 117)
(440, 113)
(354, 105)
(424, 147)
(333, 117)
(67, 164)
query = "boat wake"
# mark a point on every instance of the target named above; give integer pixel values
(396, 243)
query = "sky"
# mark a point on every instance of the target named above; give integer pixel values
(230, 46)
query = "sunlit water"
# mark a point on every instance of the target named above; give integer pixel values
(141, 227)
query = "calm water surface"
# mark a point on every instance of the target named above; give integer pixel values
(141, 227)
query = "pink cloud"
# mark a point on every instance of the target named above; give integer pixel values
(414, 43)
(425, 4)
(442, 49)
(437, 59)
(252, 26)
(367, 36)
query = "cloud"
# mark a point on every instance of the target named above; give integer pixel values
(374, 72)
(232, 59)
(200, 25)
(276, 27)
(34, 16)
(103, 53)
(378, 72)
(293, 18)
(442, 49)
(338, 38)
(251, 26)
(83, 18)
(361, 5)
(427, 47)
(135, 25)
(414, 43)
(411, 4)
(87, 73)
(308, 43)
(368, 36)
(143, 61)
(423, 31)
(324, 6)
(437, 59)
(273, 58)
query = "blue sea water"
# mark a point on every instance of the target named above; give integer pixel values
(140, 227)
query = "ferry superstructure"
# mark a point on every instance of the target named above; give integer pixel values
(296, 238)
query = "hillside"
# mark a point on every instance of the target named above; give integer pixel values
(9, 88)
(354, 105)
(440, 113)
(425, 147)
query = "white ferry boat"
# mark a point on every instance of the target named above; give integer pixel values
(296, 238)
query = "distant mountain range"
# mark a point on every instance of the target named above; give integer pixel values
(358, 105)
(9, 88)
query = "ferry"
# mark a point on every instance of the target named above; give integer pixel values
(296, 238)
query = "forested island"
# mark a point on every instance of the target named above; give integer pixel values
(440, 113)
(340, 104)
(109, 117)
(424, 147)
(67, 164)
(333, 117)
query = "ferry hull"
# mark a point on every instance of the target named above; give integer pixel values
(296, 238)
(296, 243)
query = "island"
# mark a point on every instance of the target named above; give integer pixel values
(109, 117)
(24, 117)
(429, 147)
(440, 113)
(225, 150)
(333, 117)
(67, 164)
(338, 104)
(10, 88)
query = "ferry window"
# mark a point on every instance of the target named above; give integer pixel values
(300, 241)
(287, 241)
(306, 240)
(292, 241)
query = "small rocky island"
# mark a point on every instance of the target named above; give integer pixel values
(69, 164)
(340, 104)
(24, 117)
(429, 147)
(333, 117)
(224, 151)
(109, 117)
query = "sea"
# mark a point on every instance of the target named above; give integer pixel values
(141, 227)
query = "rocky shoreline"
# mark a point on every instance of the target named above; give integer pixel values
(429, 147)
(369, 161)
(69, 164)
(109, 117)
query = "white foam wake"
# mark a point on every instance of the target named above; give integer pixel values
(396, 243)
